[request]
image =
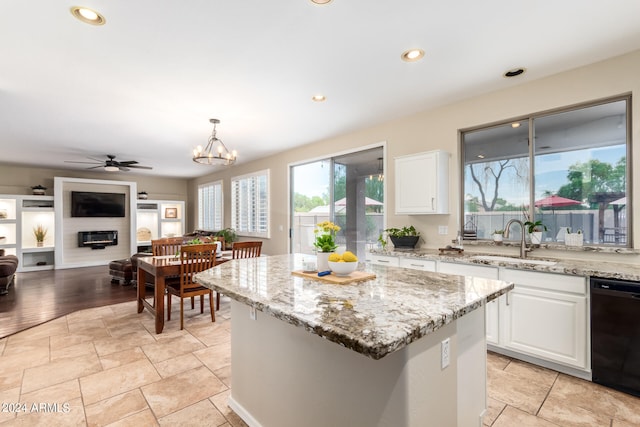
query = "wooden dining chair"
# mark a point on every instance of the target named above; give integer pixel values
(242, 250)
(193, 259)
(166, 246)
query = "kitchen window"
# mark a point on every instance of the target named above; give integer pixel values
(210, 207)
(569, 169)
(250, 204)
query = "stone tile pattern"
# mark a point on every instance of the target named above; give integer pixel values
(374, 317)
(520, 394)
(107, 367)
(184, 378)
(610, 270)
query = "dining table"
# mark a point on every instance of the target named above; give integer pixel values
(161, 267)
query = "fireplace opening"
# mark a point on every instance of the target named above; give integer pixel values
(97, 239)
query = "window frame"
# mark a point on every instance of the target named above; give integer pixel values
(218, 210)
(266, 173)
(530, 119)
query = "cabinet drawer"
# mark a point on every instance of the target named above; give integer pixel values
(418, 264)
(468, 270)
(546, 281)
(385, 260)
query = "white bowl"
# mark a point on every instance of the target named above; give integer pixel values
(342, 268)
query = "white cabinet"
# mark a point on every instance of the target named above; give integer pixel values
(546, 316)
(19, 215)
(422, 183)
(418, 264)
(390, 261)
(158, 218)
(492, 312)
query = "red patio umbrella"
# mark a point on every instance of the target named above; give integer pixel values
(555, 201)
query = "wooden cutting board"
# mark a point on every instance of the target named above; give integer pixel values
(356, 276)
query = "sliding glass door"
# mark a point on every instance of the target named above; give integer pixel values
(347, 190)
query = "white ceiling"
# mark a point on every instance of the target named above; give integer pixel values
(144, 86)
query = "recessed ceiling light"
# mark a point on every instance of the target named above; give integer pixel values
(515, 125)
(319, 98)
(514, 72)
(412, 55)
(88, 16)
(320, 1)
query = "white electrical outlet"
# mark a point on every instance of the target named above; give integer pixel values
(252, 313)
(446, 353)
(443, 229)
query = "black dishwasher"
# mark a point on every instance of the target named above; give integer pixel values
(615, 334)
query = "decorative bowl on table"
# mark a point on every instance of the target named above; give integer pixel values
(342, 268)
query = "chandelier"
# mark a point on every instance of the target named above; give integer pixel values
(215, 153)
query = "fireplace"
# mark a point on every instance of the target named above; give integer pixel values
(97, 239)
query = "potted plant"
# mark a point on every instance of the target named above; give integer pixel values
(403, 238)
(229, 235)
(325, 243)
(40, 233)
(498, 236)
(535, 229)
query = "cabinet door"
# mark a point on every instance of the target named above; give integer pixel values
(492, 317)
(493, 321)
(550, 325)
(422, 183)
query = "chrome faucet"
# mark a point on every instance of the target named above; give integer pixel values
(523, 243)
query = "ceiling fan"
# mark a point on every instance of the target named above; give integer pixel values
(111, 164)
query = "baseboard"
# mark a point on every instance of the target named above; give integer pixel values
(243, 413)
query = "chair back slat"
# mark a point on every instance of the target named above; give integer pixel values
(194, 259)
(246, 249)
(166, 246)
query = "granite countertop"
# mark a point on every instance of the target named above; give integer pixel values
(606, 269)
(374, 317)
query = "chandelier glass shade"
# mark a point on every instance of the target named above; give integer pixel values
(215, 153)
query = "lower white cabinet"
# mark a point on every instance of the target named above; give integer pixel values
(390, 261)
(546, 316)
(418, 264)
(492, 312)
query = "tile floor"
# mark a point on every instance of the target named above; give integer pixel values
(105, 367)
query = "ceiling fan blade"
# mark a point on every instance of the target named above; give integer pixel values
(122, 168)
(129, 163)
(97, 160)
(96, 167)
(86, 163)
(140, 167)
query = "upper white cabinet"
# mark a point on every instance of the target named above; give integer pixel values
(422, 183)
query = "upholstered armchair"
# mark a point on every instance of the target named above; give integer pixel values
(8, 267)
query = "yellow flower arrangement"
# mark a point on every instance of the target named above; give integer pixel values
(325, 236)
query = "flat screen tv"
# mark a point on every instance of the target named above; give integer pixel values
(91, 204)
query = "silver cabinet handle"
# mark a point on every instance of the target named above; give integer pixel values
(383, 260)
(433, 203)
(508, 293)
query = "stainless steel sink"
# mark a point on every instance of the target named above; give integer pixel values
(510, 260)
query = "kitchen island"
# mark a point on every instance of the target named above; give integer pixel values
(404, 349)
